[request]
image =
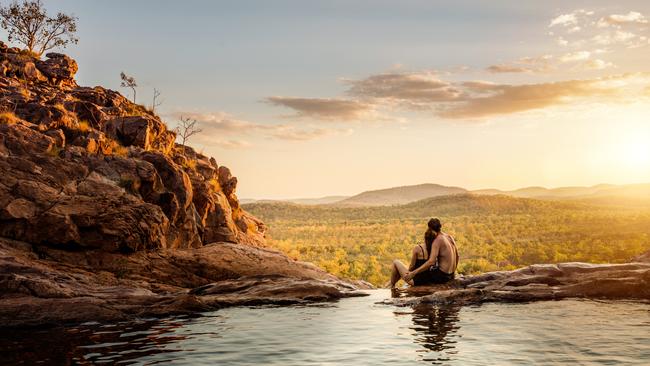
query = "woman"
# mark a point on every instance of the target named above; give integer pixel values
(419, 256)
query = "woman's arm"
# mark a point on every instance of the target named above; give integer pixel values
(414, 257)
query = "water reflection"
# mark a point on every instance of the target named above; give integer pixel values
(90, 343)
(353, 331)
(436, 331)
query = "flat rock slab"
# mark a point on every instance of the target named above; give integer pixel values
(630, 281)
(47, 287)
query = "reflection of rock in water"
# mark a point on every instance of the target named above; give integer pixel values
(436, 327)
(89, 343)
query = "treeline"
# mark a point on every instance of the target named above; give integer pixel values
(492, 233)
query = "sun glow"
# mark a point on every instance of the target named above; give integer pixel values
(636, 152)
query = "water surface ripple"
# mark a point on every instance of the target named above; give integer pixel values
(355, 331)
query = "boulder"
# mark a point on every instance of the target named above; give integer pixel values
(57, 136)
(46, 116)
(59, 69)
(100, 97)
(227, 181)
(22, 140)
(173, 177)
(142, 131)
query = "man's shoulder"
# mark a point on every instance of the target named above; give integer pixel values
(444, 237)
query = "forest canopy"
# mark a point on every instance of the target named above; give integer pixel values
(492, 233)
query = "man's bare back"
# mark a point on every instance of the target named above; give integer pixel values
(447, 256)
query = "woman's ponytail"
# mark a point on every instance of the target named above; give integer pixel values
(429, 237)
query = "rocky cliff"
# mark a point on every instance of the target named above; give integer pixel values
(101, 210)
(84, 168)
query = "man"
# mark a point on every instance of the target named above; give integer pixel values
(443, 257)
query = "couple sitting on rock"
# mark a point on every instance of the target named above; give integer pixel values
(433, 262)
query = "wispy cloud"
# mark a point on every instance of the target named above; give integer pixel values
(575, 56)
(478, 99)
(544, 63)
(583, 28)
(508, 99)
(617, 20)
(586, 34)
(504, 68)
(585, 44)
(216, 125)
(231, 144)
(323, 108)
(412, 90)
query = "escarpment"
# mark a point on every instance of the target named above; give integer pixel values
(85, 168)
(103, 216)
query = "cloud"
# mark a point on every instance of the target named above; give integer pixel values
(323, 108)
(633, 17)
(575, 56)
(479, 99)
(542, 63)
(571, 20)
(231, 144)
(503, 68)
(480, 86)
(415, 88)
(596, 64)
(564, 20)
(509, 99)
(293, 134)
(216, 125)
(217, 122)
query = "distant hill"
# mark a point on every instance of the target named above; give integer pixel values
(548, 193)
(400, 195)
(443, 206)
(602, 194)
(300, 201)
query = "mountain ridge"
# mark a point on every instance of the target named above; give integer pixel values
(603, 193)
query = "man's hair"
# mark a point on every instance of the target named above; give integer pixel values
(435, 225)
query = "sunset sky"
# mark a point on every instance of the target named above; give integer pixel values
(307, 98)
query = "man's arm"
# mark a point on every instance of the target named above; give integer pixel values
(435, 248)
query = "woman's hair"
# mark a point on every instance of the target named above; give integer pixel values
(429, 237)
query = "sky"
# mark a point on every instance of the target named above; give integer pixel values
(315, 98)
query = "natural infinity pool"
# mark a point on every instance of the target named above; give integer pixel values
(356, 331)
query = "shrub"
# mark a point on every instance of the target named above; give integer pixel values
(8, 118)
(117, 149)
(84, 126)
(189, 164)
(214, 184)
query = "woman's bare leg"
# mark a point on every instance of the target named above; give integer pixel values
(399, 270)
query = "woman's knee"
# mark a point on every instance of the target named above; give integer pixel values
(396, 262)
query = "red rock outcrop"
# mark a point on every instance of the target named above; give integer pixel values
(86, 168)
(103, 216)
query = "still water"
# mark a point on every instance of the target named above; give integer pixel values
(355, 331)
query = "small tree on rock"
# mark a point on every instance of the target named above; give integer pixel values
(128, 82)
(156, 101)
(27, 23)
(187, 127)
